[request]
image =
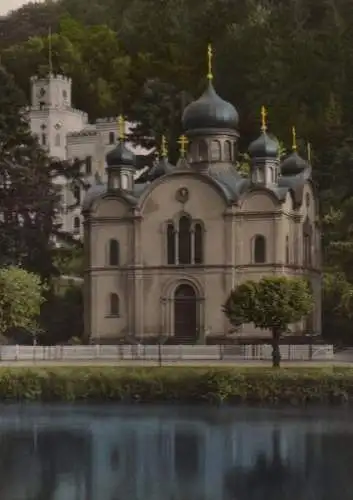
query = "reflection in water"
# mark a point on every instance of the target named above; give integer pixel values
(111, 453)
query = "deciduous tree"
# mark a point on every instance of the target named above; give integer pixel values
(272, 303)
(21, 297)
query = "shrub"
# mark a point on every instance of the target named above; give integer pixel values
(183, 385)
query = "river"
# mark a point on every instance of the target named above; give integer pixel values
(174, 453)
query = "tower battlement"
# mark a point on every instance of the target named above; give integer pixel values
(51, 76)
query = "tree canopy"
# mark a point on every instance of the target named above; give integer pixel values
(28, 198)
(273, 303)
(21, 297)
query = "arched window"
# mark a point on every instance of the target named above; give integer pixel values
(307, 200)
(271, 175)
(198, 242)
(57, 140)
(88, 162)
(307, 244)
(124, 181)
(235, 150)
(170, 244)
(184, 240)
(193, 151)
(260, 175)
(114, 304)
(77, 224)
(203, 151)
(77, 193)
(215, 151)
(259, 249)
(111, 137)
(114, 252)
(227, 151)
(287, 249)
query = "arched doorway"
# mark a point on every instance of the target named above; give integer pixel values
(185, 313)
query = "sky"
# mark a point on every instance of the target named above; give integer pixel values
(7, 5)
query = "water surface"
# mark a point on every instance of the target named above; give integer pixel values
(174, 453)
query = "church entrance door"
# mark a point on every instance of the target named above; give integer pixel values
(185, 314)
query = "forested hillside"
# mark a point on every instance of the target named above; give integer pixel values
(147, 58)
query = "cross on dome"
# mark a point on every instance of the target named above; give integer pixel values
(183, 142)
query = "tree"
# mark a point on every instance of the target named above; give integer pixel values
(158, 112)
(29, 201)
(62, 314)
(21, 297)
(272, 303)
(91, 55)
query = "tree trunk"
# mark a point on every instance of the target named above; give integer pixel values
(276, 354)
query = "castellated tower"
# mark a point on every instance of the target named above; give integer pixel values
(51, 114)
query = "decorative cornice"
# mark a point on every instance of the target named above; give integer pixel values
(273, 215)
(203, 268)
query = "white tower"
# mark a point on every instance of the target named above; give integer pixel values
(51, 113)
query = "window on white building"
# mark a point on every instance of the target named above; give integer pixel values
(88, 165)
(77, 225)
(111, 137)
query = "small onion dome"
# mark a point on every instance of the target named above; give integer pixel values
(162, 167)
(294, 165)
(264, 146)
(120, 156)
(210, 111)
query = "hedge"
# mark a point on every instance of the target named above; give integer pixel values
(183, 385)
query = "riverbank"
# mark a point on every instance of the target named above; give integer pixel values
(293, 386)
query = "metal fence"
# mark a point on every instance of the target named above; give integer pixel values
(168, 353)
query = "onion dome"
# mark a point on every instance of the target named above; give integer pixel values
(264, 146)
(121, 156)
(210, 111)
(294, 165)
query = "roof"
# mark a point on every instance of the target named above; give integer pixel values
(229, 182)
(210, 111)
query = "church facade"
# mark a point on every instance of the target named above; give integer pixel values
(162, 256)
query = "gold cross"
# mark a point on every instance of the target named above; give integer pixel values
(183, 142)
(294, 139)
(209, 57)
(263, 119)
(164, 147)
(121, 128)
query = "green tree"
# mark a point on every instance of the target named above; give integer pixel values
(21, 297)
(28, 198)
(272, 303)
(92, 56)
(62, 313)
(69, 260)
(157, 112)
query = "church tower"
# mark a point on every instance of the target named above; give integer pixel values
(264, 154)
(121, 164)
(211, 127)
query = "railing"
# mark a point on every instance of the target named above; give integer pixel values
(168, 353)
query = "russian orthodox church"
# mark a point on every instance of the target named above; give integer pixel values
(162, 256)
